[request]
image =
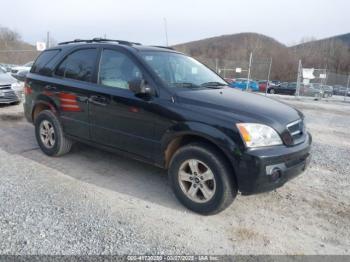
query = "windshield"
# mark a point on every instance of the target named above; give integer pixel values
(178, 70)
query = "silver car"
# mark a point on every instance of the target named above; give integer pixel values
(11, 90)
(312, 89)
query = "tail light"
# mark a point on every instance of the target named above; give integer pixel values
(27, 88)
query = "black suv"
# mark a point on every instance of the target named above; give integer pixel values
(160, 106)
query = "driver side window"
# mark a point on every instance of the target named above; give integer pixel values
(117, 70)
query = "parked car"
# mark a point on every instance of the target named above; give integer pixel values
(327, 91)
(275, 82)
(284, 88)
(10, 89)
(165, 108)
(263, 84)
(242, 83)
(312, 89)
(2, 68)
(340, 90)
(229, 80)
(16, 69)
(6, 67)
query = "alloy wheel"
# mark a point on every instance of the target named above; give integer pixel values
(197, 181)
(47, 134)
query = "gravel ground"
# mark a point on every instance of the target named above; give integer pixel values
(94, 202)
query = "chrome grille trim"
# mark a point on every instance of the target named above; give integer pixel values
(296, 130)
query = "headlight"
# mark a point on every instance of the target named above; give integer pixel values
(258, 135)
(17, 86)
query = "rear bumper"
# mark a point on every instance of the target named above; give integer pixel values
(27, 111)
(262, 170)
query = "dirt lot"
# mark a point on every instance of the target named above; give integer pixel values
(93, 202)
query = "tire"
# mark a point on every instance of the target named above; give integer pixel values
(57, 144)
(222, 187)
(272, 91)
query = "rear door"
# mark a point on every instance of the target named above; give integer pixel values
(71, 85)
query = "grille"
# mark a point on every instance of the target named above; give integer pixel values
(296, 130)
(5, 86)
(9, 95)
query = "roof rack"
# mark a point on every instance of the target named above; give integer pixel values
(166, 47)
(97, 40)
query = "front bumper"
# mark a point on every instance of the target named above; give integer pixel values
(265, 169)
(10, 96)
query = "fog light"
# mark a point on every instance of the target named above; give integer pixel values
(276, 174)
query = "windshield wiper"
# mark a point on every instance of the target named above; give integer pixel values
(185, 84)
(213, 84)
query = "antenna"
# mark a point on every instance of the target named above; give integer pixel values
(166, 32)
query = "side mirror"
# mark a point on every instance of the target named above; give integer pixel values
(21, 76)
(139, 87)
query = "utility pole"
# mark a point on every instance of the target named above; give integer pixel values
(166, 31)
(268, 77)
(347, 88)
(250, 64)
(299, 78)
(48, 39)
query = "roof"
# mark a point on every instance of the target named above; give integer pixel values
(102, 41)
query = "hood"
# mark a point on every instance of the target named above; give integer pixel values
(6, 79)
(240, 106)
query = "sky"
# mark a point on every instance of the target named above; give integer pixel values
(288, 21)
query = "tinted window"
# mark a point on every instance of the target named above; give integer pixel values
(44, 58)
(78, 65)
(117, 70)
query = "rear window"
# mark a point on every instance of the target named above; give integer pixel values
(43, 59)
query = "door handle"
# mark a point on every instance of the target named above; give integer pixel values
(82, 99)
(98, 100)
(48, 87)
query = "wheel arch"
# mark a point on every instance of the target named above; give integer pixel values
(43, 103)
(199, 133)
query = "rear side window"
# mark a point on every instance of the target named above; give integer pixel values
(78, 65)
(43, 59)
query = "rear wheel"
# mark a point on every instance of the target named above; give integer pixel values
(201, 179)
(272, 91)
(49, 134)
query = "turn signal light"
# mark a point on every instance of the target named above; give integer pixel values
(245, 134)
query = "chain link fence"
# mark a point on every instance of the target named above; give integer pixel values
(320, 83)
(317, 83)
(243, 73)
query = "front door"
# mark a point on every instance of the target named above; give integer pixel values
(118, 117)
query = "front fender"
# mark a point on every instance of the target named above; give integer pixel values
(214, 135)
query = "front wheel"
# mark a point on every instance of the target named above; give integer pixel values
(272, 91)
(202, 179)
